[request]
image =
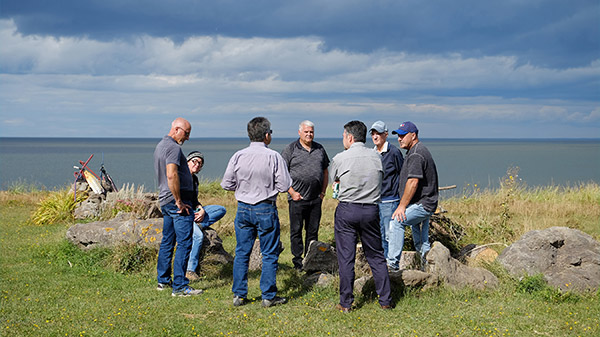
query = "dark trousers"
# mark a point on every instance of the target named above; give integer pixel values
(351, 222)
(303, 214)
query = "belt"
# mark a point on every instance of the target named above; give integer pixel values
(357, 203)
(267, 201)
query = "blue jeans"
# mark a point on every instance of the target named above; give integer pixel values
(251, 220)
(177, 228)
(418, 218)
(213, 214)
(386, 209)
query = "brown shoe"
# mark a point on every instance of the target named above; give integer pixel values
(342, 309)
(386, 307)
(192, 276)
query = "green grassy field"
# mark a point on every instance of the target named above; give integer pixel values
(51, 288)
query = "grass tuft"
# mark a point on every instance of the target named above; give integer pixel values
(57, 207)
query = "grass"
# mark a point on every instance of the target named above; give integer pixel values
(51, 288)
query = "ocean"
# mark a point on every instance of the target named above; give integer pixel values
(48, 162)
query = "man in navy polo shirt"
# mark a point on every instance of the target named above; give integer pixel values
(391, 159)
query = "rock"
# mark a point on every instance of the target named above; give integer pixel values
(398, 281)
(412, 278)
(121, 229)
(318, 279)
(361, 265)
(320, 257)
(455, 274)
(409, 260)
(255, 262)
(568, 258)
(90, 207)
(476, 256)
(364, 285)
(212, 251)
(126, 229)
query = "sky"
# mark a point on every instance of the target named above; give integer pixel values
(457, 69)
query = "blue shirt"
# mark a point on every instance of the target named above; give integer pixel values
(256, 173)
(391, 159)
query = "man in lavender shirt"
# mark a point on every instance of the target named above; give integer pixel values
(257, 174)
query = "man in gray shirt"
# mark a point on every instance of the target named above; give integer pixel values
(176, 193)
(307, 162)
(257, 174)
(358, 171)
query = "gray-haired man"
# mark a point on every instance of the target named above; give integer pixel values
(307, 162)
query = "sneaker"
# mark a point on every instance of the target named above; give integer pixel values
(192, 276)
(163, 286)
(188, 291)
(274, 301)
(238, 301)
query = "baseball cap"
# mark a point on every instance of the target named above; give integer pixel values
(405, 128)
(379, 126)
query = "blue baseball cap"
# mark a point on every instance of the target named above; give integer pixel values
(405, 128)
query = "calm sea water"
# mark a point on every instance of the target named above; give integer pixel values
(48, 162)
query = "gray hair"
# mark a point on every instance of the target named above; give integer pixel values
(307, 123)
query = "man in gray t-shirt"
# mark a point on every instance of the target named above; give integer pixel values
(175, 197)
(419, 195)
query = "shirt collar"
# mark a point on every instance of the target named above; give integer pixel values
(385, 147)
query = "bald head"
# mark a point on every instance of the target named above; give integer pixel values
(180, 130)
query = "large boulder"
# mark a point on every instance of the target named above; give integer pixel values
(124, 228)
(568, 258)
(455, 274)
(120, 229)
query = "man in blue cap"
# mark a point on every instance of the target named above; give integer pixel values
(419, 195)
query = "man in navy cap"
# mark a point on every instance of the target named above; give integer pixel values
(419, 195)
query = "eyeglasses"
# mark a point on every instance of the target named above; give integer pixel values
(270, 131)
(187, 133)
(197, 162)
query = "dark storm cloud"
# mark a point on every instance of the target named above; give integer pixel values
(551, 33)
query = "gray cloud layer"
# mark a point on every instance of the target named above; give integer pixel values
(552, 33)
(460, 69)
